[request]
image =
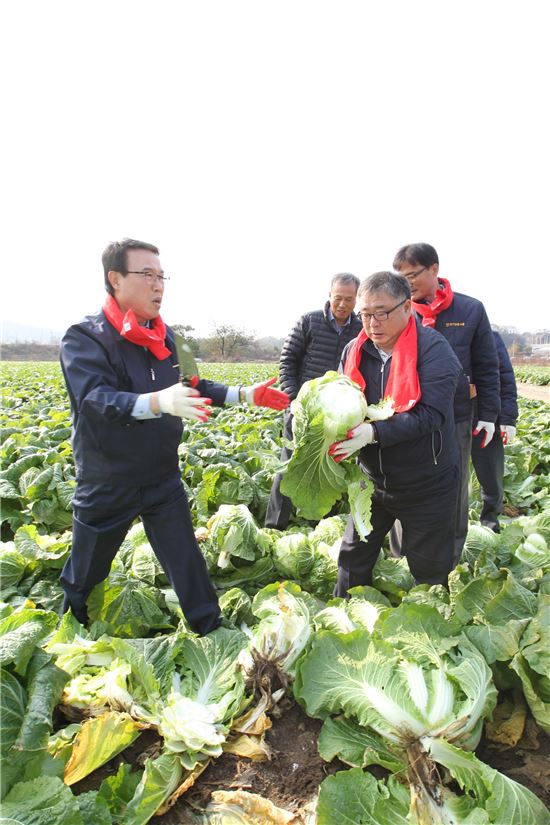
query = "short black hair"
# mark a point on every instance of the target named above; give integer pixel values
(416, 254)
(395, 285)
(114, 257)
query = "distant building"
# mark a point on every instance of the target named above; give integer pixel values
(541, 350)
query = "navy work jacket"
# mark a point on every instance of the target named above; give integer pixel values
(508, 387)
(413, 447)
(466, 327)
(104, 374)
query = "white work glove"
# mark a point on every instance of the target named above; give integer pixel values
(507, 433)
(489, 428)
(184, 402)
(357, 437)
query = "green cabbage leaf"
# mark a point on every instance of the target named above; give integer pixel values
(323, 412)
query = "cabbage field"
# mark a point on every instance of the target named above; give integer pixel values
(405, 704)
(539, 376)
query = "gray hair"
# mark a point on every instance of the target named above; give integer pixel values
(395, 285)
(345, 278)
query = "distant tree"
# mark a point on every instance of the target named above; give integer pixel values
(184, 330)
(264, 349)
(226, 343)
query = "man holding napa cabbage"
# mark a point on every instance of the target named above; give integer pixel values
(411, 457)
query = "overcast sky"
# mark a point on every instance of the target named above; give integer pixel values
(265, 146)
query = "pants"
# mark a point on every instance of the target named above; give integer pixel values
(103, 514)
(279, 507)
(427, 517)
(489, 468)
(463, 432)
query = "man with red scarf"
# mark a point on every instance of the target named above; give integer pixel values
(464, 323)
(411, 457)
(127, 407)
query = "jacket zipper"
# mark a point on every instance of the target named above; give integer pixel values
(379, 448)
(151, 370)
(382, 387)
(433, 449)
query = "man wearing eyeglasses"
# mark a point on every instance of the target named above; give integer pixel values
(127, 405)
(411, 457)
(313, 346)
(464, 323)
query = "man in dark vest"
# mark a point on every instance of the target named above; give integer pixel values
(120, 368)
(313, 347)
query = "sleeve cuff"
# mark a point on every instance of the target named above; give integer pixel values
(232, 396)
(141, 410)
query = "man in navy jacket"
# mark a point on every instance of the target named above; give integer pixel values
(464, 323)
(127, 407)
(411, 457)
(489, 461)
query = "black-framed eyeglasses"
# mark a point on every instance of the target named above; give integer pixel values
(150, 277)
(381, 314)
(412, 276)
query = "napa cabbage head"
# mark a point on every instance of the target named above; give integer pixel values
(336, 398)
(293, 555)
(328, 531)
(188, 725)
(409, 678)
(235, 535)
(285, 614)
(363, 609)
(324, 410)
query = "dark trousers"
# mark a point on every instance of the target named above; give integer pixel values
(103, 514)
(427, 517)
(463, 432)
(279, 507)
(489, 468)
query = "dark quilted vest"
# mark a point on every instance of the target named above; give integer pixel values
(312, 348)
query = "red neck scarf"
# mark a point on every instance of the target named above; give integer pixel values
(443, 299)
(403, 385)
(127, 325)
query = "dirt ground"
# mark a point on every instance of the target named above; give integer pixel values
(527, 763)
(291, 778)
(534, 392)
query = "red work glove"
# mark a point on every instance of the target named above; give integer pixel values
(263, 396)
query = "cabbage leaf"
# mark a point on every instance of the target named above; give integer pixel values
(323, 412)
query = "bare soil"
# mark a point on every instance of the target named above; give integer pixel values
(534, 392)
(527, 763)
(291, 778)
